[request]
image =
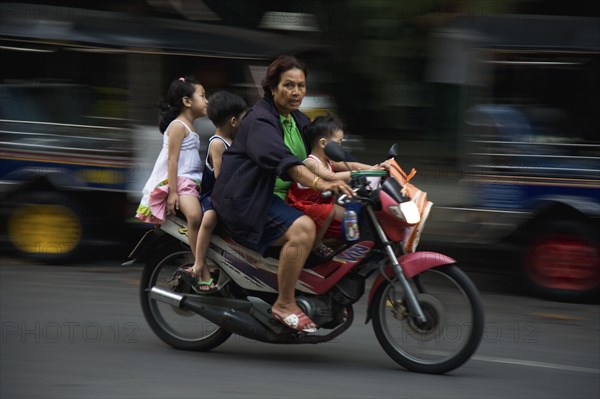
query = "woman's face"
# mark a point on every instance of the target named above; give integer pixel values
(290, 91)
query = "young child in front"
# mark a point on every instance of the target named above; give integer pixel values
(226, 111)
(322, 210)
(175, 180)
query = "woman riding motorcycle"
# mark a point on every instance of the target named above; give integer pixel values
(256, 173)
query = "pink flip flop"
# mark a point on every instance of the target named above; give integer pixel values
(296, 321)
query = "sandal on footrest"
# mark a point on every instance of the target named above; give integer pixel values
(199, 286)
(298, 321)
(323, 251)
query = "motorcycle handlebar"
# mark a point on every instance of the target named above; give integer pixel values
(368, 173)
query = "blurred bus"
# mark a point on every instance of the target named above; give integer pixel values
(529, 145)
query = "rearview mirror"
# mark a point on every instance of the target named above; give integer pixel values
(335, 152)
(393, 151)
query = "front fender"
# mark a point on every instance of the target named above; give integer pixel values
(412, 264)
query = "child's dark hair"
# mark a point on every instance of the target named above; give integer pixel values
(323, 126)
(223, 105)
(172, 106)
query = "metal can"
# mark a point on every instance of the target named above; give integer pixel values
(351, 231)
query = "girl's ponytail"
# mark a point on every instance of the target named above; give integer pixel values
(167, 115)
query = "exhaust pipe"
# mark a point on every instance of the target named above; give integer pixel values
(229, 314)
(169, 297)
(235, 315)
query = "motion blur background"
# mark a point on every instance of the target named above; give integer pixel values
(495, 103)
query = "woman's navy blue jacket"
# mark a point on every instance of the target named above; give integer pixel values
(244, 190)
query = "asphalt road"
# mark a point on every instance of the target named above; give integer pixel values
(78, 332)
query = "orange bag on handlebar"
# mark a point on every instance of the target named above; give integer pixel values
(412, 233)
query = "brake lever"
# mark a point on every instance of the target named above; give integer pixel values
(342, 198)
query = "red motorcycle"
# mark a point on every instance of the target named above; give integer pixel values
(426, 313)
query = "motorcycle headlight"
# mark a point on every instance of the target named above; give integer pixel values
(406, 211)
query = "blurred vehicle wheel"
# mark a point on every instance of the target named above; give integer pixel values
(561, 260)
(46, 226)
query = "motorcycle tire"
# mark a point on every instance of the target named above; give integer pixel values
(440, 344)
(180, 328)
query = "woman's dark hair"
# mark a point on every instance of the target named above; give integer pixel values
(223, 105)
(282, 64)
(323, 126)
(171, 107)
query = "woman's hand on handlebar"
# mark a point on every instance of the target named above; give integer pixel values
(337, 187)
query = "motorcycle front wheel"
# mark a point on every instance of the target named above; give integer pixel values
(454, 326)
(180, 328)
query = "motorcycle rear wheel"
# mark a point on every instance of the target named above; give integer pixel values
(182, 329)
(454, 327)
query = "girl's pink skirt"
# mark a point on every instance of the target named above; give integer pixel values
(156, 211)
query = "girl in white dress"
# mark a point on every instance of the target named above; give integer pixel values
(175, 180)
